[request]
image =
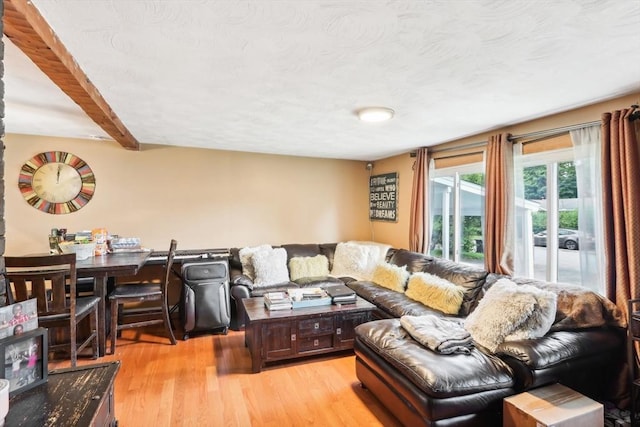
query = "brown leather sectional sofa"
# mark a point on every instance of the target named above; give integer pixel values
(421, 387)
(242, 286)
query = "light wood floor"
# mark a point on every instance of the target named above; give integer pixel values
(207, 381)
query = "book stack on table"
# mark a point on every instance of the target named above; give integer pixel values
(308, 297)
(277, 301)
(341, 294)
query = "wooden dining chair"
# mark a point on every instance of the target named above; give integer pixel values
(141, 292)
(51, 279)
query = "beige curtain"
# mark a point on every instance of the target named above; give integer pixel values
(499, 199)
(621, 199)
(418, 221)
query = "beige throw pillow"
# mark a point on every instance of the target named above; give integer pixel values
(270, 267)
(316, 266)
(435, 292)
(245, 259)
(391, 276)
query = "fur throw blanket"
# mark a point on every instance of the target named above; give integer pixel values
(509, 312)
(444, 335)
(579, 307)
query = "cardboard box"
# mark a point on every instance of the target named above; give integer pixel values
(552, 406)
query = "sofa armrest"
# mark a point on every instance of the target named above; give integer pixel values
(239, 292)
(237, 278)
(560, 347)
(585, 360)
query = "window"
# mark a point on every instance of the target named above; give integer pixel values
(556, 237)
(457, 208)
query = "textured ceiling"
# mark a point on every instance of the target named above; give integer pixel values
(286, 76)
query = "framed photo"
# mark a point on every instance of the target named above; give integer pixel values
(18, 318)
(25, 360)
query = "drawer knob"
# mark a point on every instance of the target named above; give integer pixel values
(293, 337)
(316, 325)
(316, 343)
(339, 331)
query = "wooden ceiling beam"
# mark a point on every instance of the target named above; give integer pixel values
(28, 30)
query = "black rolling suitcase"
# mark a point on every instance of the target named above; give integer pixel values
(204, 302)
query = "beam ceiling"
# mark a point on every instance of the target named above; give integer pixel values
(28, 30)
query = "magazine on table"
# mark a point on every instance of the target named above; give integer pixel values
(308, 297)
(298, 294)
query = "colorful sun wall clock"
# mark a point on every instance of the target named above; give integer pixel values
(56, 182)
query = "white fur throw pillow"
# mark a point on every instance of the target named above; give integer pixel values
(391, 276)
(308, 267)
(270, 267)
(510, 312)
(355, 260)
(245, 259)
(383, 248)
(435, 292)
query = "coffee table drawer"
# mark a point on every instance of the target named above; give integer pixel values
(315, 326)
(315, 343)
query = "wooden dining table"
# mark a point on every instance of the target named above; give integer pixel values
(102, 268)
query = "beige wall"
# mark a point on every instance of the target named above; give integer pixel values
(397, 234)
(203, 198)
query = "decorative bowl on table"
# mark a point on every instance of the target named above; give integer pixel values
(82, 250)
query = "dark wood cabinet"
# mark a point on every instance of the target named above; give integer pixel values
(278, 339)
(287, 334)
(81, 396)
(345, 324)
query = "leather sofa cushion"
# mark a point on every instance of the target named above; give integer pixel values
(275, 287)
(234, 259)
(414, 261)
(558, 347)
(298, 250)
(321, 281)
(437, 375)
(304, 250)
(328, 250)
(394, 304)
(469, 277)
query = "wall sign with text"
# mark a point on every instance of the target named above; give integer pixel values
(383, 197)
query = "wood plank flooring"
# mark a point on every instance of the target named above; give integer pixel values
(207, 381)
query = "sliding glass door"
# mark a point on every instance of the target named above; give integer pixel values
(457, 212)
(557, 215)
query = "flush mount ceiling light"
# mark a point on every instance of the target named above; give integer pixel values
(375, 114)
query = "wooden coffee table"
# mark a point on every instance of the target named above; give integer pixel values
(288, 334)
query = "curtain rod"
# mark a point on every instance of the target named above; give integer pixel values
(458, 147)
(517, 138)
(552, 132)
